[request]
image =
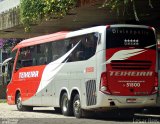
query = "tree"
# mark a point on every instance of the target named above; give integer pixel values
(34, 11)
(123, 7)
(8, 44)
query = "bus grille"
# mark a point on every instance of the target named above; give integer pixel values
(131, 64)
(91, 92)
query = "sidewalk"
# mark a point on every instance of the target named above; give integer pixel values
(3, 100)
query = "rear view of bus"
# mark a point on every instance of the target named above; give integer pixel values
(131, 76)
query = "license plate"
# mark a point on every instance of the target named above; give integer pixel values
(131, 100)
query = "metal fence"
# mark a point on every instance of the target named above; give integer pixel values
(2, 85)
(3, 91)
(1, 74)
(6, 5)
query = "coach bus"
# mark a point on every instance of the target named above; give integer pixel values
(97, 68)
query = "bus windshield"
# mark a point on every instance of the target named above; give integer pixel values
(127, 37)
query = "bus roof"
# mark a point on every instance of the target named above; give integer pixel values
(52, 37)
(41, 39)
(63, 35)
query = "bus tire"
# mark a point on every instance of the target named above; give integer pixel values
(77, 107)
(21, 107)
(66, 106)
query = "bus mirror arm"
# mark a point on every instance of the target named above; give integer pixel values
(7, 61)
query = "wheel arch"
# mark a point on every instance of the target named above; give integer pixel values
(71, 95)
(74, 91)
(16, 93)
(63, 90)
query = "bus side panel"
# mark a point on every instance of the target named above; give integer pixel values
(76, 77)
(90, 83)
(48, 94)
(11, 93)
(26, 81)
(61, 83)
(101, 67)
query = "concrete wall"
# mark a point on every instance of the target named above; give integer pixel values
(6, 5)
(10, 14)
(9, 19)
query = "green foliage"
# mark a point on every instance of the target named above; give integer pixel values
(9, 44)
(33, 11)
(7, 47)
(3, 101)
(125, 7)
(116, 5)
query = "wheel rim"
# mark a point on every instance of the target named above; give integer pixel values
(77, 106)
(65, 104)
(19, 102)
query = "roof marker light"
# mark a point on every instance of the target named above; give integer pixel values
(108, 26)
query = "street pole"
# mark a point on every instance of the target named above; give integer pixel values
(1, 67)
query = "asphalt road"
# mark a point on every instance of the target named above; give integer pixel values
(10, 115)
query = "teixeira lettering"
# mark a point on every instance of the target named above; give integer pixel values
(31, 74)
(130, 73)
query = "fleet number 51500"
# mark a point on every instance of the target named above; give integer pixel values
(133, 85)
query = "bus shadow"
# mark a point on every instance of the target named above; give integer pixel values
(48, 111)
(136, 118)
(43, 111)
(150, 117)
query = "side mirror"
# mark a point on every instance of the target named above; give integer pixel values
(6, 61)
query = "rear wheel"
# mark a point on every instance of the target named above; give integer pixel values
(77, 106)
(66, 106)
(20, 107)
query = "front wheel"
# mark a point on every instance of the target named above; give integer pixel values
(77, 106)
(20, 107)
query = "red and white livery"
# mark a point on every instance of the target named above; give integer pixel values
(97, 68)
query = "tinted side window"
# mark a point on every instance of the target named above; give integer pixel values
(25, 58)
(86, 47)
(42, 54)
(45, 53)
(59, 48)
